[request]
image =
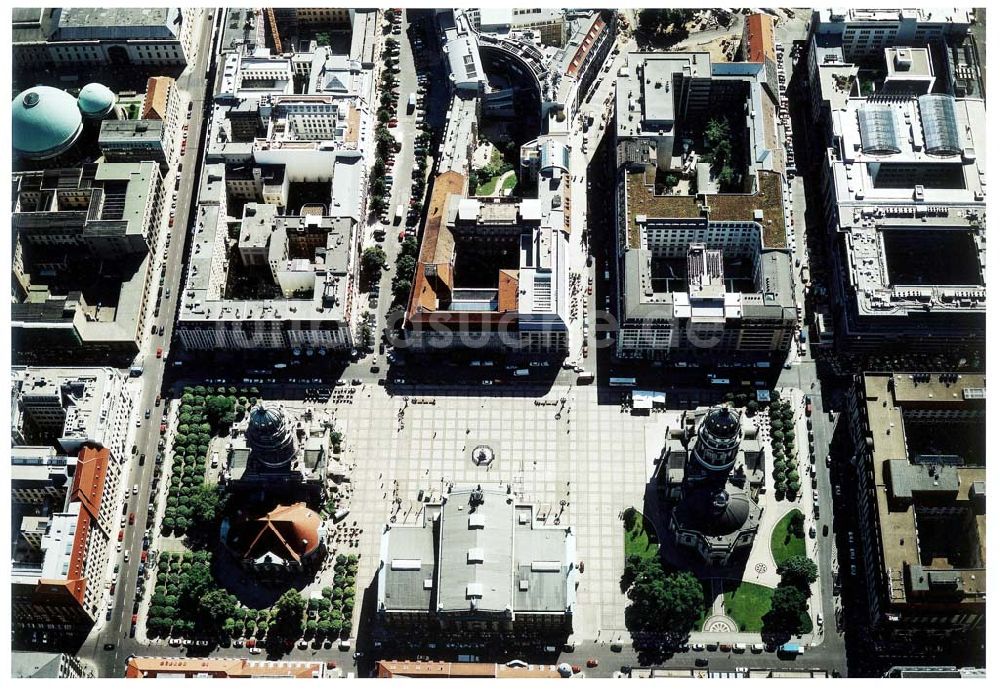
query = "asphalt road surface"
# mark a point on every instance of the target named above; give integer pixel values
(111, 663)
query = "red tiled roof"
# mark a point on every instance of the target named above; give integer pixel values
(437, 247)
(219, 668)
(760, 38)
(289, 532)
(585, 46)
(154, 104)
(407, 668)
(88, 482)
(88, 490)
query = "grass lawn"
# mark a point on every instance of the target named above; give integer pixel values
(747, 604)
(487, 187)
(508, 185)
(640, 539)
(783, 543)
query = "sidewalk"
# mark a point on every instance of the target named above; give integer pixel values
(797, 399)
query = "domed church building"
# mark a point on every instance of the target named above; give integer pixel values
(710, 471)
(97, 102)
(277, 454)
(46, 124)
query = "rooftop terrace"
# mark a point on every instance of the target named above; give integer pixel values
(722, 207)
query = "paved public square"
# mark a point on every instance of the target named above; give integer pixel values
(595, 457)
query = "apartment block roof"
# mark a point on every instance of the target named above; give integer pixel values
(760, 38)
(765, 207)
(154, 103)
(902, 484)
(414, 669)
(221, 668)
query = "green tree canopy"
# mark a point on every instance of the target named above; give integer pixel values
(663, 603)
(287, 622)
(405, 266)
(205, 503)
(798, 571)
(409, 247)
(195, 582)
(372, 259)
(217, 606)
(796, 523)
(789, 613)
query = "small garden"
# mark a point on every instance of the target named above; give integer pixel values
(483, 181)
(640, 537)
(785, 470)
(187, 603)
(747, 604)
(788, 538)
(190, 502)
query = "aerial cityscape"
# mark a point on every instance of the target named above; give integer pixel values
(498, 342)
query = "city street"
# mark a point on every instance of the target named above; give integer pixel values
(193, 87)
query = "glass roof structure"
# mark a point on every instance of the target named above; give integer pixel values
(877, 124)
(939, 124)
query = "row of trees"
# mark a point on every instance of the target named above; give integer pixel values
(190, 502)
(719, 141)
(785, 472)
(406, 264)
(188, 602)
(385, 143)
